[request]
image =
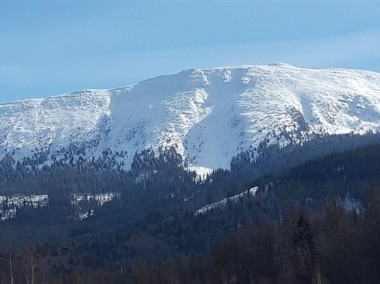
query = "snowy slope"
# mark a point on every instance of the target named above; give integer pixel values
(209, 116)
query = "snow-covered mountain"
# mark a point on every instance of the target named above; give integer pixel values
(208, 116)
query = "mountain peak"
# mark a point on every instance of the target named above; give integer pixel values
(207, 115)
(280, 64)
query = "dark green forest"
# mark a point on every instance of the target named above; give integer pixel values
(314, 219)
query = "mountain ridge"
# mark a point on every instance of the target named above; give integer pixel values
(207, 115)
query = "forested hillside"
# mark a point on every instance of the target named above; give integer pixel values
(314, 206)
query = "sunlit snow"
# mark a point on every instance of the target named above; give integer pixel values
(224, 202)
(208, 116)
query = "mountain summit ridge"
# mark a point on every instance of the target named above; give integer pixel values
(207, 115)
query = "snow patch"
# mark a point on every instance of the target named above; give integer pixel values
(202, 172)
(224, 202)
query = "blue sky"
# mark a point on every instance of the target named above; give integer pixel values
(53, 47)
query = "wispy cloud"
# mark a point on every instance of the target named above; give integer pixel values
(350, 50)
(355, 50)
(12, 74)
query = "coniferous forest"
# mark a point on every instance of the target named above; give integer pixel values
(314, 218)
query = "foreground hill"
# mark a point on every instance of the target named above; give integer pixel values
(315, 223)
